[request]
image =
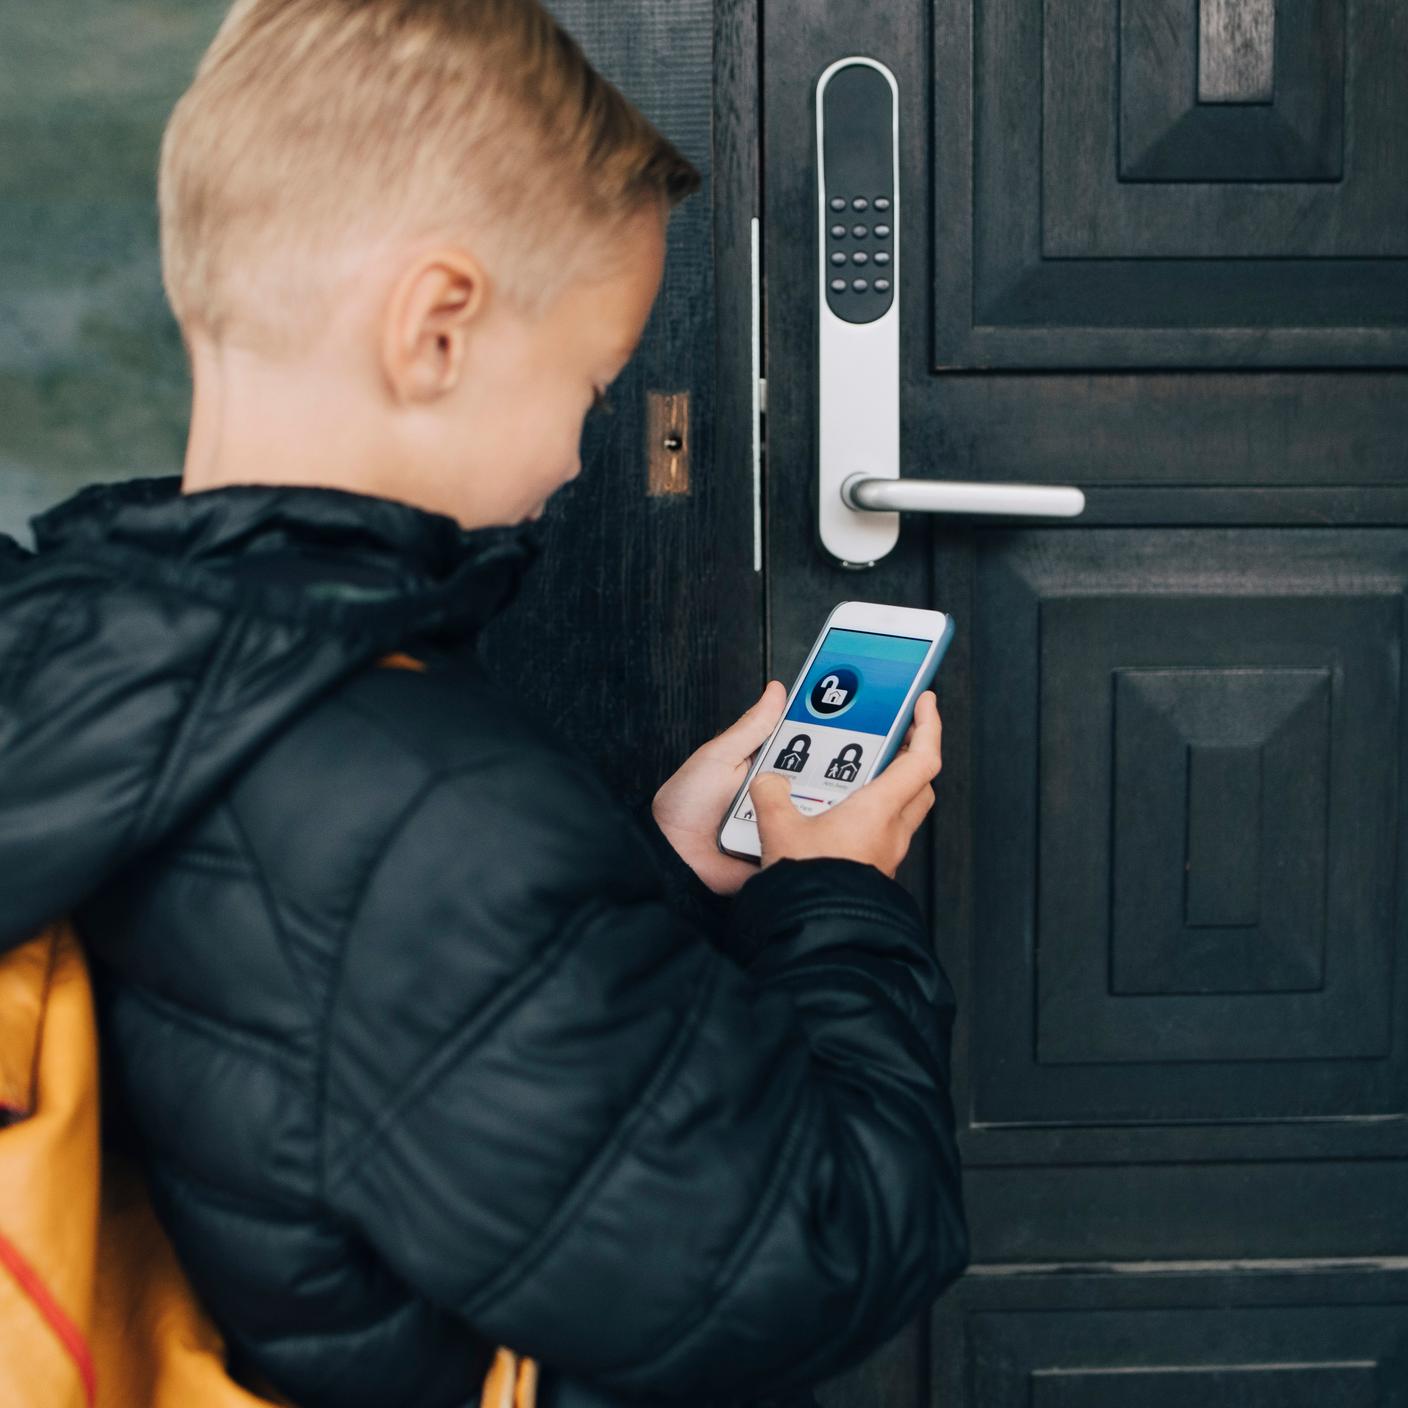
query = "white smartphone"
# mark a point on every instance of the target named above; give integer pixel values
(847, 712)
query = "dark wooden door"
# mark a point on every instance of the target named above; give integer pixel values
(1157, 249)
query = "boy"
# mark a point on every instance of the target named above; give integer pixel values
(426, 1044)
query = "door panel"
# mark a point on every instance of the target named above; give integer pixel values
(1117, 220)
(1168, 871)
(1295, 1337)
(1188, 801)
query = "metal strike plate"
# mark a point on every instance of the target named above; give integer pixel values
(667, 442)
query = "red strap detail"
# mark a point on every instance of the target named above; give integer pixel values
(67, 1333)
(398, 659)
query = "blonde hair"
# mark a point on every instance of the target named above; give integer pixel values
(317, 129)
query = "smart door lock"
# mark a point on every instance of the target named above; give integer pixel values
(860, 494)
(858, 248)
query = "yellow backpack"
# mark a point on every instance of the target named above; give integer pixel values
(95, 1311)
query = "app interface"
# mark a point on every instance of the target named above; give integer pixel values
(838, 721)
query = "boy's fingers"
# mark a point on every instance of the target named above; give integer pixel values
(926, 732)
(919, 763)
(911, 770)
(909, 732)
(917, 808)
(752, 728)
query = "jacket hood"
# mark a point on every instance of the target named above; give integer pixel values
(154, 640)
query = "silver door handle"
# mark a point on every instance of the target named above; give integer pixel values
(879, 495)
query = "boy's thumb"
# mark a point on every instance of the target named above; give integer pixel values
(754, 727)
(771, 792)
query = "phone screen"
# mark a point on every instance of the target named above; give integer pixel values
(839, 719)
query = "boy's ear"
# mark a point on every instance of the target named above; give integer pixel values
(427, 322)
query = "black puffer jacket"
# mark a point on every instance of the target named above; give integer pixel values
(429, 1043)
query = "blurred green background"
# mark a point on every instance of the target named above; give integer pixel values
(93, 382)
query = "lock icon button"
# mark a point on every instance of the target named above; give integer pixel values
(794, 757)
(846, 764)
(834, 692)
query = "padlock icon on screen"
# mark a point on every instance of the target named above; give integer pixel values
(843, 767)
(793, 758)
(834, 692)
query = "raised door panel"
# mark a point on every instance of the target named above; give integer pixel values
(1293, 1336)
(1203, 920)
(1189, 876)
(1162, 183)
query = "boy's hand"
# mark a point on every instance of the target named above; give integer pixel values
(690, 805)
(876, 823)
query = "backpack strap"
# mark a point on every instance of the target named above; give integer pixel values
(24, 989)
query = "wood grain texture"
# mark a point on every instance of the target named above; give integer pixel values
(1265, 236)
(639, 632)
(1166, 133)
(799, 38)
(1236, 50)
(739, 640)
(1168, 1335)
(1142, 1090)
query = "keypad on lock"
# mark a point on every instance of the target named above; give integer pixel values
(858, 247)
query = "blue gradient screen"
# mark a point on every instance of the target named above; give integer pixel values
(886, 666)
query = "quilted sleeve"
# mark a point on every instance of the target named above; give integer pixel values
(684, 890)
(559, 1112)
